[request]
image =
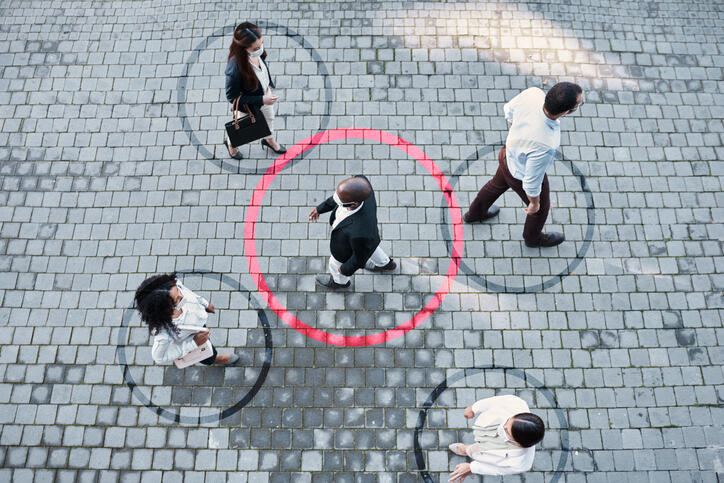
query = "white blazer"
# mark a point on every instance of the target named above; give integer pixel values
(497, 410)
(168, 346)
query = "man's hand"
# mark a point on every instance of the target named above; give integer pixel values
(533, 205)
(269, 99)
(313, 215)
(461, 471)
(469, 414)
(211, 309)
(201, 337)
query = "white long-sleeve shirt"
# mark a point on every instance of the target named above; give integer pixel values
(262, 73)
(497, 410)
(533, 139)
(168, 346)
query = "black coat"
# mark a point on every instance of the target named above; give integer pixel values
(235, 87)
(356, 237)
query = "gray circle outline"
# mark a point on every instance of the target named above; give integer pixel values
(486, 284)
(176, 417)
(194, 57)
(472, 371)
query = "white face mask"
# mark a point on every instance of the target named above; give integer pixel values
(180, 301)
(257, 53)
(339, 202)
(336, 199)
(503, 434)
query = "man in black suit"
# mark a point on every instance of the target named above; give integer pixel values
(355, 237)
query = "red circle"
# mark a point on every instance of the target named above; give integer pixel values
(255, 205)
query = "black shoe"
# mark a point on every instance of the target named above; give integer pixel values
(391, 265)
(492, 213)
(233, 156)
(328, 281)
(548, 240)
(281, 149)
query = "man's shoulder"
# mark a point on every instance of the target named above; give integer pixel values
(532, 97)
(534, 92)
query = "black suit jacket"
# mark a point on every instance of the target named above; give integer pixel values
(235, 88)
(356, 237)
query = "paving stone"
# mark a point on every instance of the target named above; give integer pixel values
(110, 189)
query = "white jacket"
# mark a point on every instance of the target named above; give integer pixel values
(497, 410)
(168, 346)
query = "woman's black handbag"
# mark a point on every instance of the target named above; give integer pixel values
(248, 128)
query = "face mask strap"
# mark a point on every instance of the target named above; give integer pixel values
(340, 203)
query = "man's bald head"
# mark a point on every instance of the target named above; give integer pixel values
(354, 190)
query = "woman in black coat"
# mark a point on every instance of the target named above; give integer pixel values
(248, 76)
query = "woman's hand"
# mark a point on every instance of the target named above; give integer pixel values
(461, 471)
(210, 308)
(201, 337)
(269, 99)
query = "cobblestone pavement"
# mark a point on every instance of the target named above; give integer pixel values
(111, 117)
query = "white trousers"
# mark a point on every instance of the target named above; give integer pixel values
(379, 259)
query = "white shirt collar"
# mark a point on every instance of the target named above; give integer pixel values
(343, 213)
(352, 212)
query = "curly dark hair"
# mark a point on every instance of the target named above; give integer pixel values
(155, 304)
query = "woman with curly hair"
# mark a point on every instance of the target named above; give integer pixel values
(248, 77)
(165, 304)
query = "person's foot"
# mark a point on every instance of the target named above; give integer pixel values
(548, 240)
(227, 359)
(274, 146)
(492, 212)
(458, 449)
(328, 281)
(233, 152)
(391, 265)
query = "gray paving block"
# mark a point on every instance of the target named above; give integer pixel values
(111, 188)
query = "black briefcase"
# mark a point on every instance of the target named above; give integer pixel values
(247, 128)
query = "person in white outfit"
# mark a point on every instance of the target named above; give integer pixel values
(172, 313)
(505, 437)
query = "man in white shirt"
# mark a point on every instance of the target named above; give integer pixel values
(530, 149)
(505, 437)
